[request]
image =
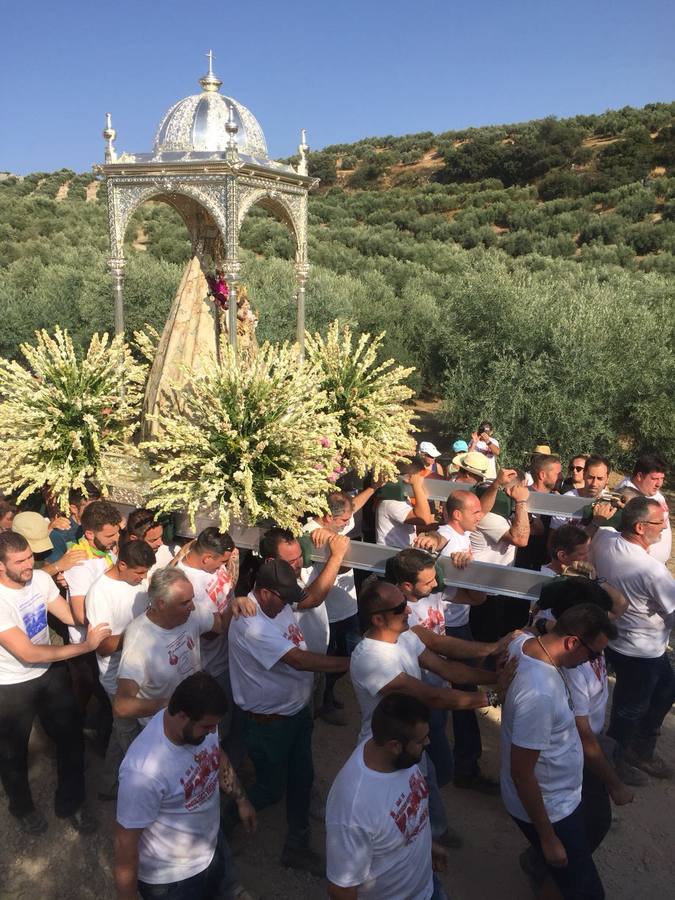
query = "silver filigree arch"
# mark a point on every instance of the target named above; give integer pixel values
(207, 196)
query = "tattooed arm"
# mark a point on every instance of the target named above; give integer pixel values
(230, 785)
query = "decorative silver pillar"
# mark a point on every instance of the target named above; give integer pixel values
(117, 270)
(301, 272)
(232, 268)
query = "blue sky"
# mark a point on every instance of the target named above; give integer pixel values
(343, 70)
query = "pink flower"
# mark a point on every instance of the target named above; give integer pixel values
(325, 442)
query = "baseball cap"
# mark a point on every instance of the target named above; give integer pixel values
(429, 448)
(278, 576)
(473, 462)
(460, 447)
(35, 529)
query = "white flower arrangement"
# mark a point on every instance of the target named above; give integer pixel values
(368, 398)
(250, 440)
(64, 417)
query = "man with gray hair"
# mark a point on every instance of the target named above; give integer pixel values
(161, 647)
(645, 682)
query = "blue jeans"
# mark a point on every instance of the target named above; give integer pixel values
(579, 879)
(643, 696)
(468, 746)
(216, 882)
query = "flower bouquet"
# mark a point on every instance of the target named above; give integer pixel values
(375, 428)
(64, 418)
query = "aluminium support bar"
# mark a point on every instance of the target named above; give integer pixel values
(563, 505)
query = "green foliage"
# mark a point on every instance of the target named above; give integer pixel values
(539, 215)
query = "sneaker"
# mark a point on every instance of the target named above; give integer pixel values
(332, 715)
(83, 821)
(630, 775)
(305, 859)
(34, 823)
(449, 839)
(477, 782)
(655, 766)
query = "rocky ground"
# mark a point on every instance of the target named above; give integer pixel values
(635, 861)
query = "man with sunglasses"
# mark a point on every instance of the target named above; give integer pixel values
(272, 675)
(542, 756)
(391, 658)
(645, 682)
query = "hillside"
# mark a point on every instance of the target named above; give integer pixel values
(525, 270)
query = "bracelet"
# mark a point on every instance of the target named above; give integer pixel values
(493, 698)
(519, 501)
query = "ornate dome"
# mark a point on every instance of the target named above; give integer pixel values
(197, 124)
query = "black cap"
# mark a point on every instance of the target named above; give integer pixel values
(278, 576)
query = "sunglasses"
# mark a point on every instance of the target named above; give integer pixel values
(592, 654)
(577, 468)
(396, 610)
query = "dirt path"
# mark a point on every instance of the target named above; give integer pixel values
(635, 861)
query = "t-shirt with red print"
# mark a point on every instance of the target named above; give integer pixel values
(377, 832)
(171, 792)
(158, 659)
(213, 592)
(261, 682)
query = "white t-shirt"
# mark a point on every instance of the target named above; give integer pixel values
(661, 550)
(118, 604)
(374, 664)
(391, 528)
(537, 716)
(213, 592)
(455, 613)
(487, 544)
(485, 447)
(429, 612)
(313, 623)
(171, 792)
(340, 601)
(648, 586)
(79, 579)
(378, 835)
(261, 683)
(588, 685)
(26, 608)
(158, 659)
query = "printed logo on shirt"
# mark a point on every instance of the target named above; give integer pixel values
(199, 783)
(220, 589)
(411, 812)
(599, 668)
(181, 655)
(434, 621)
(34, 619)
(294, 634)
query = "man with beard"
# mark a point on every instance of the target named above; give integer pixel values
(378, 837)
(100, 522)
(168, 840)
(35, 683)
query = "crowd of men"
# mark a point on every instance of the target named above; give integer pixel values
(198, 673)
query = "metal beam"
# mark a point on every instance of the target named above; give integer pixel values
(477, 576)
(542, 504)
